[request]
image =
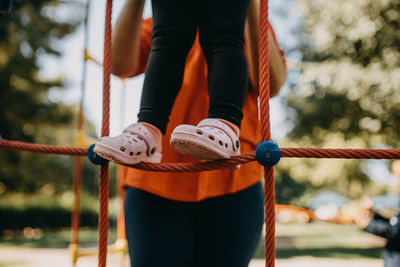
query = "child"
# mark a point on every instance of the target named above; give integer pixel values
(220, 25)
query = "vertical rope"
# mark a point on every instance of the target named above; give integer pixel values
(105, 129)
(103, 215)
(84, 69)
(264, 71)
(269, 187)
(75, 221)
(121, 233)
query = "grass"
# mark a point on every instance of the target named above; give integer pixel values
(293, 240)
(54, 239)
(323, 240)
(9, 263)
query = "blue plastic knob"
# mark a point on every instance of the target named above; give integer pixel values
(268, 153)
(94, 158)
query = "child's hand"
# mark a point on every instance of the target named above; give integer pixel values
(362, 220)
(364, 214)
(366, 203)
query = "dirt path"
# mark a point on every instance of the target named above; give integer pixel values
(25, 257)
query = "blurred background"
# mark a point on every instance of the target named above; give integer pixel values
(341, 92)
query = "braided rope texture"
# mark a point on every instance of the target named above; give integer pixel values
(264, 87)
(75, 219)
(105, 129)
(332, 153)
(103, 215)
(45, 149)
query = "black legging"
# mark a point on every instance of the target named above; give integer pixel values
(217, 232)
(221, 30)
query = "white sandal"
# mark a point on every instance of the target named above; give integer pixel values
(135, 144)
(211, 139)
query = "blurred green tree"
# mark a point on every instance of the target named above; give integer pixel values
(348, 93)
(289, 191)
(27, 113)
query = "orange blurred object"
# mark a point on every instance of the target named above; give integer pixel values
(396, 167)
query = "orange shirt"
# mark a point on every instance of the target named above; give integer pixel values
(190, 107)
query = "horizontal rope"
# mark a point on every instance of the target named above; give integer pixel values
(216, 164)
(197, 166)
(46, 149)
(340, 153)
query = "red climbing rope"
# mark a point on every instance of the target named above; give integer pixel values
(104, 179)
(264, 85)
(333, 153)
(340, 153)
(203, 166)
(75, 219)
(45, 149)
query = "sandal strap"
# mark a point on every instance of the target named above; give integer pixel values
(144, 134)
(223, 127)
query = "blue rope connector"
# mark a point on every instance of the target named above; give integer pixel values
(94, 158)
(5, 6)
(268, 153)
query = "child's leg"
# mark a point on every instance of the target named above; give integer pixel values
(221, 29)
(221, 32)
(174, 31)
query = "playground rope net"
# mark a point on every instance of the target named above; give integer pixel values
(332, 153)
(203, 166)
